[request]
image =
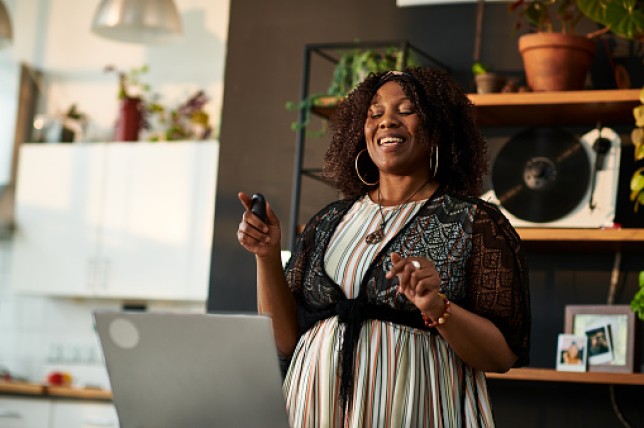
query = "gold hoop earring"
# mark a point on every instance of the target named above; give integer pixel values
(365, 182)
(433, 158)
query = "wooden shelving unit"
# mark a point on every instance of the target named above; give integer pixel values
(549, 375)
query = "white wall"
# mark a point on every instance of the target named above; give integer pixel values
(41, 334)
(54, 36)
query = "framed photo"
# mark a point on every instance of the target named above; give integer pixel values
(610, 330)
(572, 353)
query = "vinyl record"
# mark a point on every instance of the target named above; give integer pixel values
(541, 174)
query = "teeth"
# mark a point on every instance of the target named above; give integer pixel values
(391, 140)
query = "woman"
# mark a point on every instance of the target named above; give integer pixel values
(572, 355)
(399, 297)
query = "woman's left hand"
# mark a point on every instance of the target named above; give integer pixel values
(419, 282)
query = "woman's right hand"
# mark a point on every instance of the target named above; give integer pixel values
(261, 239)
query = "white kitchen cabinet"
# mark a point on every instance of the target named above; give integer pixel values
(117, 220)
(78, 414)
(24, 412)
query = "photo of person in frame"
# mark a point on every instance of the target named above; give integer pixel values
(600, 350)
(572, 353)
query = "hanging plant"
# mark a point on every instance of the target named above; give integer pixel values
(352, 68)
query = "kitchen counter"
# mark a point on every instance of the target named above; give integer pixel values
(47, 391)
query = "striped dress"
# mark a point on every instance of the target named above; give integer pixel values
(403, 376)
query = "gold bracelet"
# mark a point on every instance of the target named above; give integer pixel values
(443, 318)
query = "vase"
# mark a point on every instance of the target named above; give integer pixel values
(555, 61)
(130, 120)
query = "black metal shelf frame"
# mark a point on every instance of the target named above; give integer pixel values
(321, 49)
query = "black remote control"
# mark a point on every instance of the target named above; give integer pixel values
(258, 206)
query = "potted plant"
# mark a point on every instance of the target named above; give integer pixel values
(555, 57)
(131, 116)
(486, 80)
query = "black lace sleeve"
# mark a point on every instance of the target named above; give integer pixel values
(498, 279)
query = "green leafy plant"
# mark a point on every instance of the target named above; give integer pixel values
(624, 18)
(637, 138)
(352, 67)
(130, 83)
(479, 68)
(547, 15)
(637, 304)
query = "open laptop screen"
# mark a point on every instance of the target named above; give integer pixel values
(192, 370)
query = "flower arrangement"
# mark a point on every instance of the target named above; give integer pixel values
(188, 121)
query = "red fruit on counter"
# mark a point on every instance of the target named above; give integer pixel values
(59, 379)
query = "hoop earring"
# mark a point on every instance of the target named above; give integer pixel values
(365, 182)
(433, 162)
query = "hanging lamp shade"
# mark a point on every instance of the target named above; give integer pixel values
(6, 33)
(137, 21)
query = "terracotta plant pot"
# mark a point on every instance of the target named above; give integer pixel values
(556, 62)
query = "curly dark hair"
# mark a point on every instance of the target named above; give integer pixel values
(447, 119)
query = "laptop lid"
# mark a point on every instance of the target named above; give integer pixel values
(192, 370)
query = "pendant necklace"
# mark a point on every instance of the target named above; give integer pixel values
(378, 235)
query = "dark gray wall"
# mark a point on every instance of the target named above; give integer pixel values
(264, 70)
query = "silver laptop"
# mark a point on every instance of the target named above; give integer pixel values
(192, 370)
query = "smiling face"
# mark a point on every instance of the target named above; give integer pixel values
(391, 131)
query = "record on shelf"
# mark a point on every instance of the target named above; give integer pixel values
(541, 174)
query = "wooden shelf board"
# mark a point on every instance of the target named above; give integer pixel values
(41, 390)
(549, 375)
(610, 107)
(325, 106)
(21, 388)
(80, 393)
(582, 240)
(607, 96)
(582, 235)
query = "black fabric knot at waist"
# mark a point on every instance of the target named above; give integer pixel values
(352, 313)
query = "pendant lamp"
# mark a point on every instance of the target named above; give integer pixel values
(137, 21)
(6, 34)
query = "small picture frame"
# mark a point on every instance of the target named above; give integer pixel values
(572, 353)
(610, 330)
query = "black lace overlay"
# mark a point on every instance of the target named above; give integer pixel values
(476, 252)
